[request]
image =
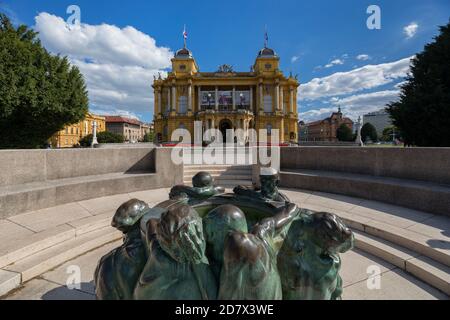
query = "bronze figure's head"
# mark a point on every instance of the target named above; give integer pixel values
(129, 214)
(180, 234)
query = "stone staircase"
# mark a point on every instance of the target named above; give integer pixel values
(228, 176)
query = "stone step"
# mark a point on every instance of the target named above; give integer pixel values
(214, 169)
(428, 270)
(34, 265)
(218, 171)
(27, 246)
(234, 183)
(8, 281)
(416, 242)
(225, 177)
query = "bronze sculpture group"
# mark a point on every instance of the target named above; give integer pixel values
(204, 244)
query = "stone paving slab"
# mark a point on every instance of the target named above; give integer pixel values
(395, 285)
(87, 264)
(104, 204)
(44, 219)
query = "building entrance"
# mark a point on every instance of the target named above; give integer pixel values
(225, 125)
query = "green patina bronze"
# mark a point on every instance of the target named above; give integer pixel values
(117, 273)
(202, 188)
(309, 261)
(202, 244)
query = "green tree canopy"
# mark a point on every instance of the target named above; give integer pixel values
(149, 137)
(39, 93)
(423, 112)
(344, 133)
(102, 137)
(368, 131)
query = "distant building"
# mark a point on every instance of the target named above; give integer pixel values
(263, 98)
(71, 135)
(131, 129)
(326, 129)
(146, 128)
(379, 119)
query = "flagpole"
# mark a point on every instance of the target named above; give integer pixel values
(184, 36)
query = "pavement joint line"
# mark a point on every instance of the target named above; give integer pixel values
(18, 224)
(369, 277)
(85, 208)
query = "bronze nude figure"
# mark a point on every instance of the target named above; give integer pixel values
(117, 272)
(177, 267)
(309, 261)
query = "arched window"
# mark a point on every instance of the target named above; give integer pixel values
(269, 129)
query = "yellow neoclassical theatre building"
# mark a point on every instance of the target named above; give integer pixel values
(260, 99)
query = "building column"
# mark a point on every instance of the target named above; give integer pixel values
(234, 98)
(282, 99)
(251, 98)
(199, 102)
(174, 98)
(291, 109)
(160, 106)
(168, 106)
(261, 97)
(277, 97)
(217, 99)
(190, 97)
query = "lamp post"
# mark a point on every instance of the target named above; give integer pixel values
(94, 134)
(241, 96)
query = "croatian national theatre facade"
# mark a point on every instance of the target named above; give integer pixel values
(260, 99)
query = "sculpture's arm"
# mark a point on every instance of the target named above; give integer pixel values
(271, 227)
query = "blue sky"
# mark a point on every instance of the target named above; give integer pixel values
(121, 45)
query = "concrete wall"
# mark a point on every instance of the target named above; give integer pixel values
(36, 179)
(24, 166)
(425, 164)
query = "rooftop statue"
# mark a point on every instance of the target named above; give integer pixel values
(309, 261)
(177, 267)
(225, 68)
(118, 271)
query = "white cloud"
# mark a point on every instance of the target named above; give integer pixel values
(411, 30)
(353, 106)
(294, 59)
(118, 64)
(363, 57)
(334, 63)
(366, 77)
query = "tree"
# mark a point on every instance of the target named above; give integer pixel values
(149, 137)
(39, 93)
(423, 112)
(389, 132)
(368, 131)
(344, 133)
(102, 137)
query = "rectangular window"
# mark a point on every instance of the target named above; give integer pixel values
(267, 103)
(182, 104)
